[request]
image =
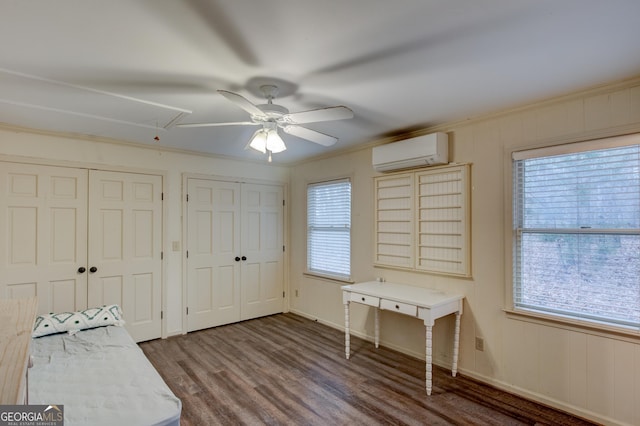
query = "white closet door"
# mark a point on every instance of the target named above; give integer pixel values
(125, 244)
(43, 211)
(213, 244)
(262, 250)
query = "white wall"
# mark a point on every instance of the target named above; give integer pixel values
(590, 373)
(16, 144)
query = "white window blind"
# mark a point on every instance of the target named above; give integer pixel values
(329, 228)
(577, 234)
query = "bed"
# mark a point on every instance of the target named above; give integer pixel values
(101, 377)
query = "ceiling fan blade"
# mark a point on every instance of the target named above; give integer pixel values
(243, 103)
(238, 123)
(321, 114)
(310, 135)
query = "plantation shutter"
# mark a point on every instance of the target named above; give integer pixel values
(329, 228)
(577, 232)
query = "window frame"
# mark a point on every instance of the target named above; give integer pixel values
(511, 230)
(330, 275)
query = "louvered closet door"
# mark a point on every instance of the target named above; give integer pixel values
(43, 214)
(262, 245)
(125, 244)
(213, 244)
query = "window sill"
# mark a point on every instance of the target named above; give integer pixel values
(326, 277)
(589, 327)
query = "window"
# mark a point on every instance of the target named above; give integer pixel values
(329, 228)
(577, 232)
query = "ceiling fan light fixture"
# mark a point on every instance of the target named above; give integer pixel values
(275, 144)
(259, 141)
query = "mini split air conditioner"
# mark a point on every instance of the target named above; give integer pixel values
(427, 150)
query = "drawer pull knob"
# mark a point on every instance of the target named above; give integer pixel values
(363, 299)
(397, 307)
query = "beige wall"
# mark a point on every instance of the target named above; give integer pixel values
(21, 145)
(591, 373)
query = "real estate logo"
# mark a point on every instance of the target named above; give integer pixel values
(31, 415)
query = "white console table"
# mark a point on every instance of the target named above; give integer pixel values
(426, 304)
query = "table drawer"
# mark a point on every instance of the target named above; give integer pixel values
(367, 300)
(403, 308)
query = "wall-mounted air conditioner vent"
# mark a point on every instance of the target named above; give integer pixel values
(427, 150)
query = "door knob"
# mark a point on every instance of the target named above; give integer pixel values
(93, 269)
(237, 259)
(81, 270)
(244, 257)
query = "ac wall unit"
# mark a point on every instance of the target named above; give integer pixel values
(427, 150)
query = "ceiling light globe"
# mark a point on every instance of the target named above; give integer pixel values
(259, 141)
(274, 142)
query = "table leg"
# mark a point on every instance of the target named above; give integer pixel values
(347, 342)
(377, 326)
(456, 346)
(429, 359)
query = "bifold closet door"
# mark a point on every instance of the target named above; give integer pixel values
(79, 238)
(43, 247)
(125, 246)
(235, 252)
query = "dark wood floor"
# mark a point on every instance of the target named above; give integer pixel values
(286, 369)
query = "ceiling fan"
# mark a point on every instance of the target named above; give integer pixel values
(270, 117)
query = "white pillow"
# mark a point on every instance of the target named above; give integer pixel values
(73, 322)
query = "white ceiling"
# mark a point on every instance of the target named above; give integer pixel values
(125, 69)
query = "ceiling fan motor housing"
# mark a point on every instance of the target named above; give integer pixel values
(273, 111)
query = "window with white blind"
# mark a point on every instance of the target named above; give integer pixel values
(329, 228)
(577, 232)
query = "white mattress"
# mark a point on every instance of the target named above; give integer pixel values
(102, 378)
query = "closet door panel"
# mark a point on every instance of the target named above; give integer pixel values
(43, 210)
(213, 244)
(262, 273)
(125, 245)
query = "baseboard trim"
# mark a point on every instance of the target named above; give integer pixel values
(541, 399)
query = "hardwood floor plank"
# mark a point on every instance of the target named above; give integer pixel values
(287, 370)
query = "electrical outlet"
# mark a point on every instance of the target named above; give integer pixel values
(479, 344)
